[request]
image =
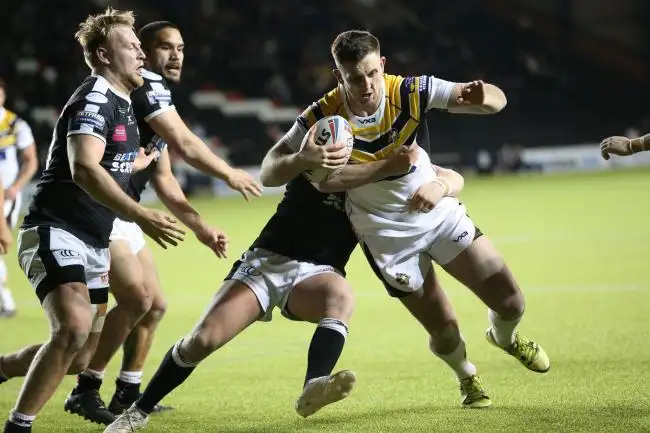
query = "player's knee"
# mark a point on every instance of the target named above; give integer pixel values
(340, 303)
(201, 343)
(157, 310)
(138, 303)
(512, 306)
(71, 336)
(444, 337)
(510, 302)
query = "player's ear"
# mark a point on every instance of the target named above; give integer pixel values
(337, 75)
(382, 59)
(102, 55)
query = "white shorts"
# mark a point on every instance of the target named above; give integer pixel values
(51, 256)
(129, 232)
(272, 276)
(12, 209)
(402, 263)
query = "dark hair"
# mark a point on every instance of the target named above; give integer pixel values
(354, 45)
(3, 84)
(148, 33)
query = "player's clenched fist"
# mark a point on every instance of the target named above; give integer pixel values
(402, 159)
(331, 156)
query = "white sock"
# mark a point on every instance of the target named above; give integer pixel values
(503, 331)
(457, 360)
(21, 419)
(6, 300)
(178, 358)
(99, 375)
(133, 377)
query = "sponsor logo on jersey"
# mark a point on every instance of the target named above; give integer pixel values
(123, 162)
(368, 120)
(156, 143)
(159, 96)
(334, 201)
(119, 134)
(88, 119)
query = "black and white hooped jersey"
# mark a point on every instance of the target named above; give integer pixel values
(149, 101)
(96, 108)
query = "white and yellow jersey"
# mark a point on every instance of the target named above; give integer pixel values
(15, 134)
(380, 208)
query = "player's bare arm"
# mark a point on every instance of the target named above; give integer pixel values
(28, 168)
(356, 175)
(623, 146)
(453, 180)
(282, 163)
(476, 97)
(171, 194)
(448, 183)
(85, 153)
(175, 132)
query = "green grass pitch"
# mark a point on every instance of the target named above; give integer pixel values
(579, 246)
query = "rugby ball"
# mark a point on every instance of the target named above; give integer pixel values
(330, 129)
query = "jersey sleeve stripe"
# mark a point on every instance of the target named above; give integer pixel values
(405, 106)
(158, 112)
(423, 90)
(302, 121)
(94, 134)
(318, 111)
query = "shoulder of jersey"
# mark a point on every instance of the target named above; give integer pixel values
(90, 90)
(151, 76)
(331, 103)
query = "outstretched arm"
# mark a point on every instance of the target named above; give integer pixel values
(171, 128)
(623, 146)
(171, 194)
(475, 97)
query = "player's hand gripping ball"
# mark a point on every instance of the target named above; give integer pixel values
(329, 145)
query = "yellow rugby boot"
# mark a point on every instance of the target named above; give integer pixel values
(472, 393)
(530, 354)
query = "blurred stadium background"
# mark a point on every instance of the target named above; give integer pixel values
(574, 72)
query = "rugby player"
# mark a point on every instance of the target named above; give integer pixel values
(18, 164)
(5, 231)
(623, 146)
(387, 112)
(301, 275)
(134, 278)
(63, 241)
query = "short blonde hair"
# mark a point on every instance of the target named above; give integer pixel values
(95, 30)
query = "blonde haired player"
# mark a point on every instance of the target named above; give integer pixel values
(63, 241)
(18, 164)
(400, 237)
